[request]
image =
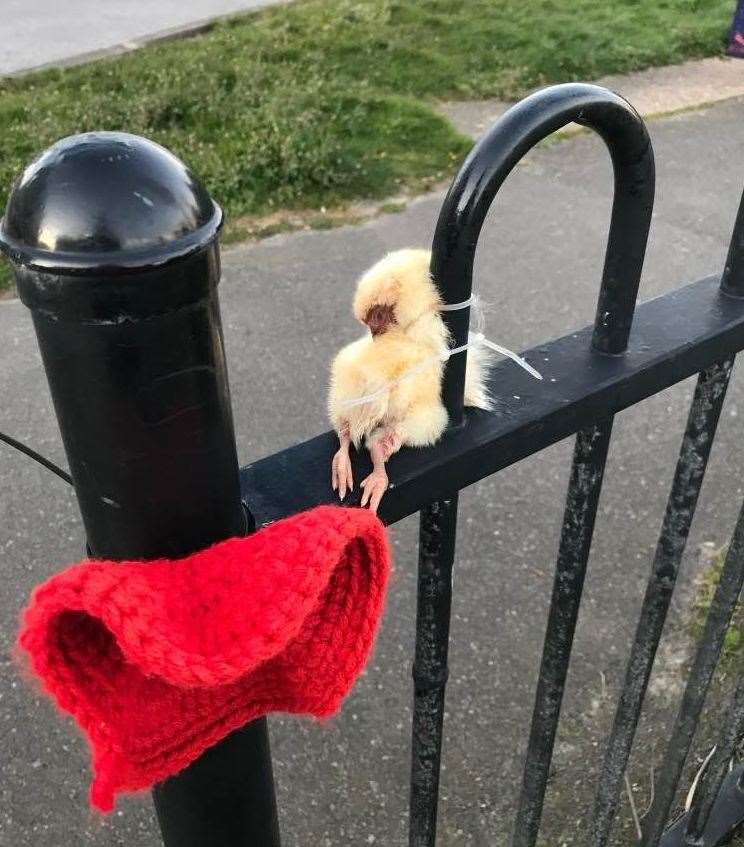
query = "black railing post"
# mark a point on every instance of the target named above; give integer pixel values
(437, 533)
(115, 249)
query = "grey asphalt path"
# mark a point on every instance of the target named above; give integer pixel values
(37, 33)
(286, 307)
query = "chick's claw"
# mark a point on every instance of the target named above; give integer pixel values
(375, 485)
(341, 475)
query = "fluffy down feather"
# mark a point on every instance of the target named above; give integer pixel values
(417, 335)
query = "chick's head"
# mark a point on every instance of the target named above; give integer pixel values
(396, 291)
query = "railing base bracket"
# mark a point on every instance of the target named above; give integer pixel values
(725, 818)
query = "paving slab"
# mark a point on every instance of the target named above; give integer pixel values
(36, 34)
(286, 308)
(655, 91)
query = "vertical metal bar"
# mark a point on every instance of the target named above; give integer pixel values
(585, 485)
(706, 659)
(708, 790)
(436, 557)
(705, 411)
(732, 279)
(116, 254)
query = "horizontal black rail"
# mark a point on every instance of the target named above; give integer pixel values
(674, 337)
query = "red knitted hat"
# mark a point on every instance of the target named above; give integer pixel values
(159, 660)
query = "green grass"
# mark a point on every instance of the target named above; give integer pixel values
(732, 652)
(324, 101)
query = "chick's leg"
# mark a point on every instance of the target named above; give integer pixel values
(341, 475)
(382, 445)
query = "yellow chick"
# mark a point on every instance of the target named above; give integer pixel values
(385, 388)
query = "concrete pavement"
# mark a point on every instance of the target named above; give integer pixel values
(654, 91)
(40, 33)
(286, 308)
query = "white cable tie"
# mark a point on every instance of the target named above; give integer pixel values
(368, 398)
(453, 307)
(505, 351)
(453, 351)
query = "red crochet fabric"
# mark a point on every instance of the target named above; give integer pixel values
(159, 660)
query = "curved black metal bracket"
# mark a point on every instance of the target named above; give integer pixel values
(726, 817)
(484, 171)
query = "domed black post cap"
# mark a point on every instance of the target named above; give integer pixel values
(102, 205)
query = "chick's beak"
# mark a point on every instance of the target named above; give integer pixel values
(379, 318)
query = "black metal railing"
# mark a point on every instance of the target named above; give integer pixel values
(161, 322)
(593, 381)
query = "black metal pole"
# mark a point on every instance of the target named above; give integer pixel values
(577, 531)
(732, 279)
(115, 249)
(436, 559)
